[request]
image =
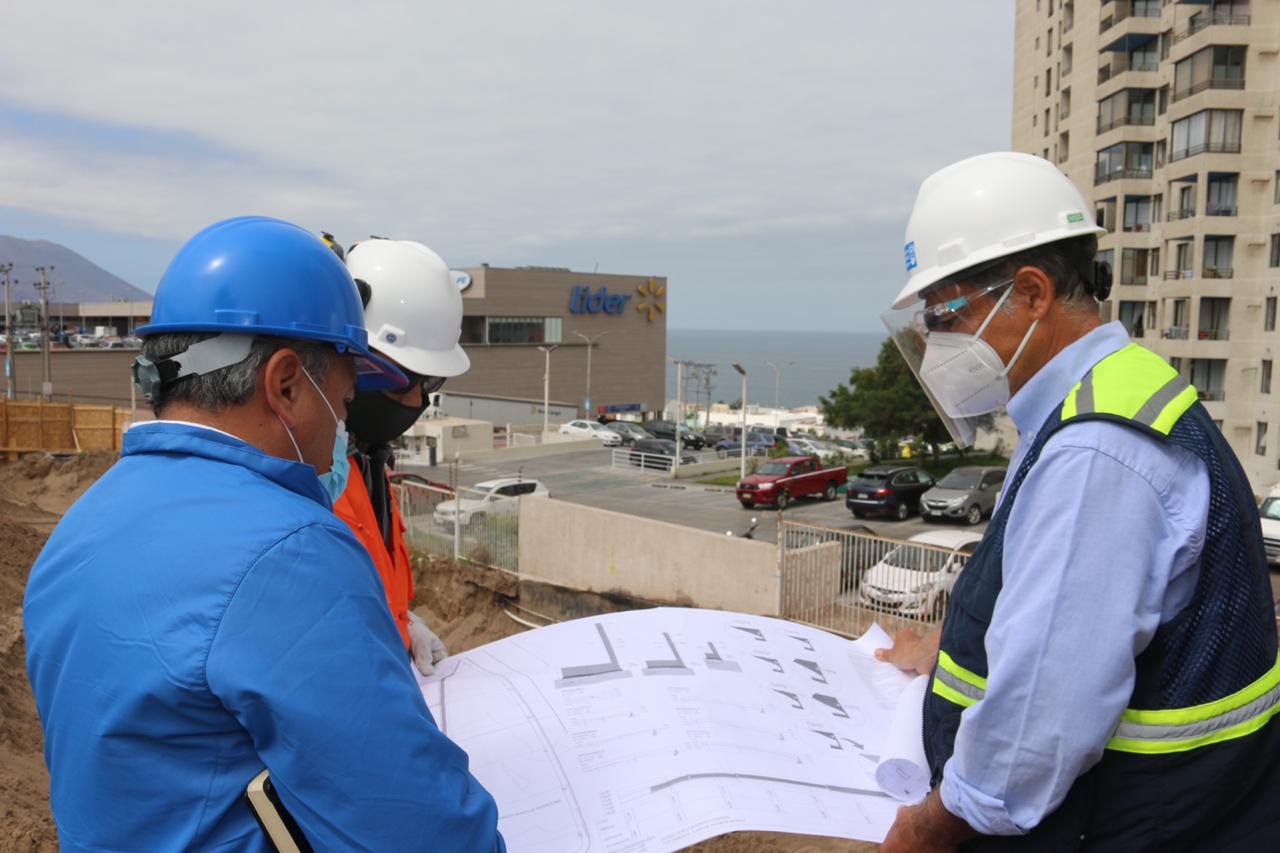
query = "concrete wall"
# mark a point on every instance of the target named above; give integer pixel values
(715, 466)
(89, 376)
(516, 454)
(599, 551)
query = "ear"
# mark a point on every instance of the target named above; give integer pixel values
(281, 380)
(1035, 289)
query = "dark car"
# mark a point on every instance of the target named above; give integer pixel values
(630, 432)
(758, 444)
(667, 430)
(886, 490)
(720, 432)
(658, 454)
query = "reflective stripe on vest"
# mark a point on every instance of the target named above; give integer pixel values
(956, 684)
(1181, 729)
(1134, 384)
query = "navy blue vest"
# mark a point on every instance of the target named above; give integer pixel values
(1180, 774)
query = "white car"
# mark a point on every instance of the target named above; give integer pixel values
(591, 429)
(915, 580)
(1270, 512)
(813, 447)
(492, 497)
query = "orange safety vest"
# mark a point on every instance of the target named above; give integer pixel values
(356, 509)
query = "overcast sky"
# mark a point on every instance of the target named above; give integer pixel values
(761, 155)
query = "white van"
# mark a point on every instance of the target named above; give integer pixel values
(1270, 512)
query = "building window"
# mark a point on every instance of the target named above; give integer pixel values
(1266, 376)
(1135, 266)
(1123, 160)
(1216, 131)
(1130, 317)
(524, 330)
(1221, 197)
(1220, 67)
(1277, 198)
(472, 330)
(1215, 315)
(1137, 213)
(1260, 443)
(1218, 256)
(1209, 377)
(1269, 315)
(1275, 251)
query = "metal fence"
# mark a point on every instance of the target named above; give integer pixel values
(466, 524)
(844, 580)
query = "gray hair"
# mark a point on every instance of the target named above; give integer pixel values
(232, 385)
(1068, 263)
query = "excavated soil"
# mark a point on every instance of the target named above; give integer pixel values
(465, 605)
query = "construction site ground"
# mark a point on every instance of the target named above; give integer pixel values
(467, 606)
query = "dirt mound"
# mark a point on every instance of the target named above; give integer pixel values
(49, 483)
(464, 604)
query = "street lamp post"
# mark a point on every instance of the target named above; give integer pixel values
(777, 384)
(546, 391)
(675, 463)
(5, 270)
(590, 342)
(742, 442)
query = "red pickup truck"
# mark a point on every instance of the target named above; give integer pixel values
(778, 481)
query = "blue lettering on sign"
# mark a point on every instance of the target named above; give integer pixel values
(910, 251)
(583, 301)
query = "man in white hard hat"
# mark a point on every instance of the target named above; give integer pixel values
(413, 315)
(1106, 675)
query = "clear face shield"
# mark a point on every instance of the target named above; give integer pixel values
(911, 327)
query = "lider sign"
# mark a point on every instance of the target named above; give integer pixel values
(583, 301)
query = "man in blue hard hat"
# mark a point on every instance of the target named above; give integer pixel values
(200, 613)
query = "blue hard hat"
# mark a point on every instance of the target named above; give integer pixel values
(254, 275)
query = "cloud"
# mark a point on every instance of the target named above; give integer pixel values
(496, 129)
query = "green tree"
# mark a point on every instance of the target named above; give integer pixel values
(886, 402)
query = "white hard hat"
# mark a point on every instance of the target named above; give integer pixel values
(984, 208)
(414, 315)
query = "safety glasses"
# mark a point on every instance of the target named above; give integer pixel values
(940, 316)
(428, 384)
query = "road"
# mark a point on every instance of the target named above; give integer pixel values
(587, 478)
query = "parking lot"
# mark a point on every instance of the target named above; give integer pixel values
(587, 478)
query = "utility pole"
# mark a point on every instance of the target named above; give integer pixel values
(590, 342)
(6, 269)
(675, 463)
(546, 391)
(46, 389)
(742, 442)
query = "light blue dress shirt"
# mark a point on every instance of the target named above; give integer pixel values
(1101, 549)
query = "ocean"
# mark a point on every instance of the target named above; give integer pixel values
(822, 361)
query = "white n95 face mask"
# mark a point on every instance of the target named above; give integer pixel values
(965, 374)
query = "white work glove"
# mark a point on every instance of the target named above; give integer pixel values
(427, 649)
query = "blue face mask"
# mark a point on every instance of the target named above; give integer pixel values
(335, 480)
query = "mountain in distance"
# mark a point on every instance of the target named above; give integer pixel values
(75, 277)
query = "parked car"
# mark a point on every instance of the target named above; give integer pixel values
(657, 454)
(887, 490)
(914, 580)
(1270, 512)
(758, 444)
(667, 430)
(591, 429)
(968, 493)
(630, 432)
(719, 432)
(812, 447)
(492, 497)
(779, 481)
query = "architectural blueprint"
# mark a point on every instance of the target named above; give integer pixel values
(651, 730)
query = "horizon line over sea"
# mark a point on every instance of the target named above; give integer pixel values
(822, 360)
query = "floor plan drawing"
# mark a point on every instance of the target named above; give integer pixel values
(651, 730)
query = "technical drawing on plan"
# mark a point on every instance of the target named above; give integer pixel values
(768, 725)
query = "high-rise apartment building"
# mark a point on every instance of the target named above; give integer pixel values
(1166, 114)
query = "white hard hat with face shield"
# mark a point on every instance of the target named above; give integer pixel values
(968, 217)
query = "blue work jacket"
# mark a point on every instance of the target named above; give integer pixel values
(199, 614)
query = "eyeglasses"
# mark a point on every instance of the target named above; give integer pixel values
(943, 314)
(428, 384)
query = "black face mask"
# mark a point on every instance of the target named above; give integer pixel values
(374, 418)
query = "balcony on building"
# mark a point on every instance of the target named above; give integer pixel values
(1183, 265)
(1212, 67)
(1137, 266)
(1209, 375)
(1137, 214)
(1130, 52)
(1215, 315)
(1230, 13)
(1114, 13)
(1124, 160)
(1208, 131)
(1127, 107)
(1182, 197)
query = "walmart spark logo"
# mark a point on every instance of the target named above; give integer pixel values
(651, 299)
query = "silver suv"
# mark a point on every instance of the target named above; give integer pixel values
(967, 493)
